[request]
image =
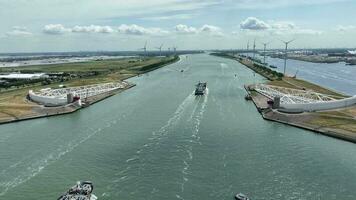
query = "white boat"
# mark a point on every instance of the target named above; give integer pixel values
(241, 196)
(81, 191)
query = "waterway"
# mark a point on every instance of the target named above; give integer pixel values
(336, 76)
(158, 141)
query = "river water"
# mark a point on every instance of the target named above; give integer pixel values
(158, 141)
(336, 76)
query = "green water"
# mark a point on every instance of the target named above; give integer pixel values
(159, 141)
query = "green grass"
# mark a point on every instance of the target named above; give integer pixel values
(14, 104)
(101, 66)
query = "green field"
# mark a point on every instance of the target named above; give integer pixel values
(14, 104)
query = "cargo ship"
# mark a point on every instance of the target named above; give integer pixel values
(81, 191)
(200, 89)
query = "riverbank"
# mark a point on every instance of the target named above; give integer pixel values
(319, 58)
(14, 106)
(339, 123)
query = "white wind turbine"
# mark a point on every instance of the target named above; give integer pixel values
(144, 49)
(264, 51)
(285, 54)
(160, 49)
(254, 48)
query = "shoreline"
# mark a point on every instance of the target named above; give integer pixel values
(39, 111)
(303, 120)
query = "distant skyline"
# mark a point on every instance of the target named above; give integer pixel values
(118, 25)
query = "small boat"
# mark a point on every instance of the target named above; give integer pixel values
(81, 191)
(241, 196)
(182, 70)
(200, 89)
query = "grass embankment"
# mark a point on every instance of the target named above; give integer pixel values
(13, 103)
(259, 68)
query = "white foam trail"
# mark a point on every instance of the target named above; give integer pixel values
(199, 117)
(132, 159)
(175, 118)
(35, 168)
(195, 138)
(155, 140)
(195, 108)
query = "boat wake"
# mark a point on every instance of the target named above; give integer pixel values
(27, 168)
(183, 127)
(136, 164)
(196, 117)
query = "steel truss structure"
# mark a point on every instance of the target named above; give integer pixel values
(82, 91)
(292, 96)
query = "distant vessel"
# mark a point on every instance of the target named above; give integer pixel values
(81, 191)
(200, 89)
(241, 196)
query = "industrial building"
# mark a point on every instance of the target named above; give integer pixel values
(64, 96)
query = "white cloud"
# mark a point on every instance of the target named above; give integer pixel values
(94, 9)
(282, 26)
(346, 28)
(252, 23)
(205, 29)
(92, 29)
(55, 29)
(212, 30)
(270, 4)
(134, 29)
(184, 29)
(169, 17)
(19, 31)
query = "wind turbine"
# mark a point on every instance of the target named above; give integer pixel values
(160, 49)
(285, 54)
(254, 48)
(248, 48)
(264, 51)
(175, 49)
(144, 49)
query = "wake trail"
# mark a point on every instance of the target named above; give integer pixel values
(136, 163)
(195, 139)
(36, 167)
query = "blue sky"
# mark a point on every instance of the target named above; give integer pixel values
(67, 25)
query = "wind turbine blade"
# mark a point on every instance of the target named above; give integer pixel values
(282, 41)
(291, 41)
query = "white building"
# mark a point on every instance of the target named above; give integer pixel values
(24, 76)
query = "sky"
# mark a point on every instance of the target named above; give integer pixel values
(120, 25)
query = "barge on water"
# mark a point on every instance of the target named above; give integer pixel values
(200, 89)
